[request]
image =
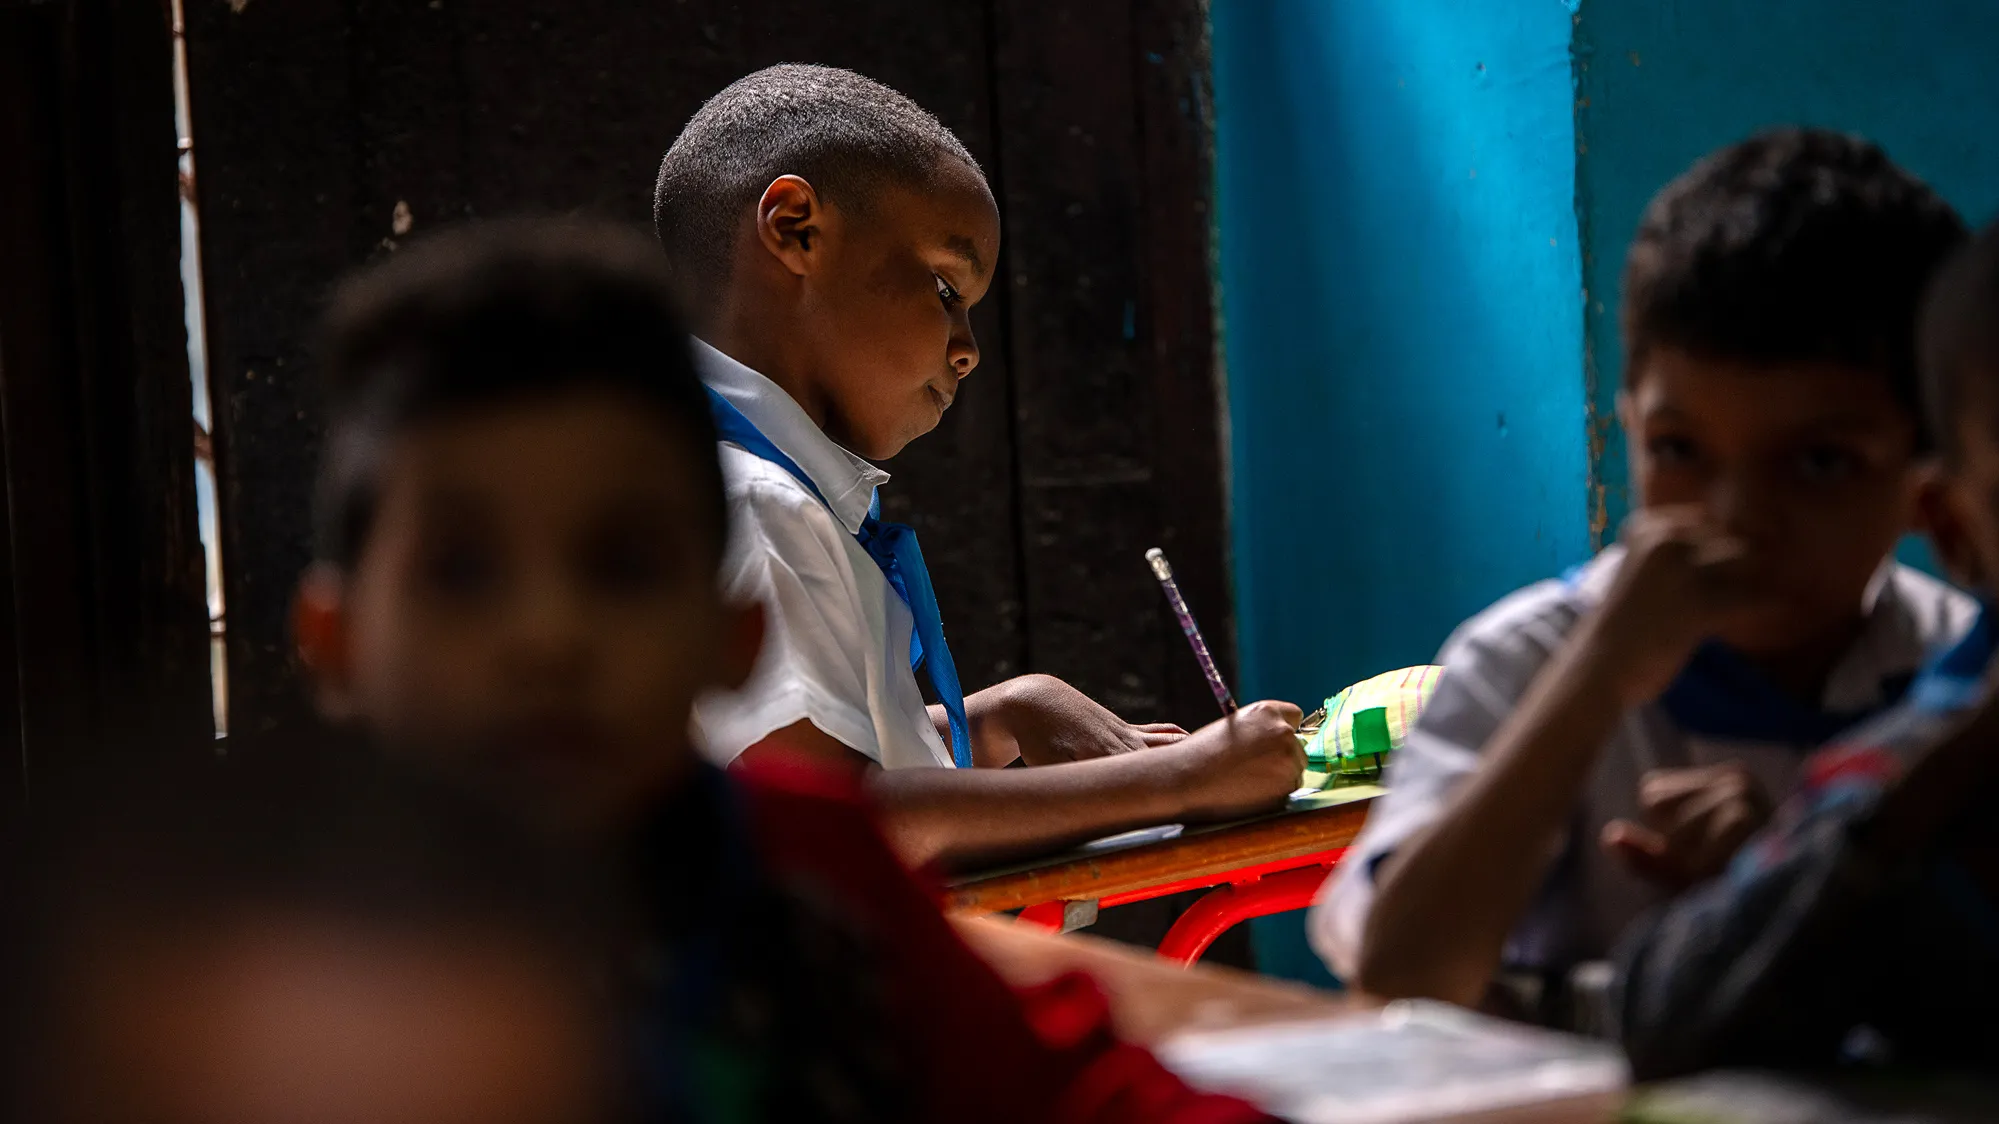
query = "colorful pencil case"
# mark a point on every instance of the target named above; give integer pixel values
(1349, 740)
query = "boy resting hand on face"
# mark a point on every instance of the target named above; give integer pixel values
(1874, 901)
(1606, 740)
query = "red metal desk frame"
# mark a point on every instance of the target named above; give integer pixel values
(1257, 867)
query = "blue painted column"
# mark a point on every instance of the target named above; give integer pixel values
(1401, 286)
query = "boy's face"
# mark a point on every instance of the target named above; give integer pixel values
(537, 596)
(1811, 466)
(273, 1019)
(887, 305)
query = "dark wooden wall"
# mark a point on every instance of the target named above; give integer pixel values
(1088, 434)
(103, 617)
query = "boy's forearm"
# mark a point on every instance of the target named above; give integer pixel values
(964, 817)
(1449, 898)
(988, 752)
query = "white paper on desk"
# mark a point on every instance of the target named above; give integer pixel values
(1409, 1061)
(1135, 838)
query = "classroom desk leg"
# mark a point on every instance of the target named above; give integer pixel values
(1047, 915)
(1060, 916)
(1225, 907)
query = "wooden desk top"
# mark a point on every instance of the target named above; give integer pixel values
(1151, 999)
(1196, 853)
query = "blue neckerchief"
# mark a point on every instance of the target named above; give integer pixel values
(1954, 679)
(893, 547)
(1720, 694)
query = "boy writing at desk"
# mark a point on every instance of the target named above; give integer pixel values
(1600, 742)
(521, 517)
(1874, 900)
(834, 237)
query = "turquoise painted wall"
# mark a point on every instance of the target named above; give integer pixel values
(1401, 288)
(1423, 210)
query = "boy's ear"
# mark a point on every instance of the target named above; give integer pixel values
(742, 642)
(791, 222)
(1940, 515)
(319, 629)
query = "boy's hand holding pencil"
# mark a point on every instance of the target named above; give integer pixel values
(1237, 766)
(1250, 760)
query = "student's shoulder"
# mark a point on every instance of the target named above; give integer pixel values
(751, 481)
(1529, 625)
(771, 504)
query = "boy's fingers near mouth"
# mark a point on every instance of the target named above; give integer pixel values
(1717, 548)
(1728, 571)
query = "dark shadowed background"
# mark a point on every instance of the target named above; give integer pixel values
(1089, 433)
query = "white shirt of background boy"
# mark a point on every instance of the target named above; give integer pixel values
(836, 639)
(1589, 897)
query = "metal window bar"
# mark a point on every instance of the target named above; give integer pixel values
(208, 510)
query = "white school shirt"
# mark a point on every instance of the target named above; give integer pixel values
(836, 634)
(1588, 897)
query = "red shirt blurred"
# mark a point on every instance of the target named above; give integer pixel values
(982, 1051)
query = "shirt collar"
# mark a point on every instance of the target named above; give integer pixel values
(847, 481)
(1875, 669)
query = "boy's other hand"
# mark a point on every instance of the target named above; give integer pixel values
(1239, 765)
(1045, 721)
(1681, 574)
(1695, 819)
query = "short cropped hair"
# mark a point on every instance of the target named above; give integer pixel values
(493, 313)
(1796, 245)
(845, 134)
(1959, 336)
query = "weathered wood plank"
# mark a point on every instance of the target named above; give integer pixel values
(1112, 357)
